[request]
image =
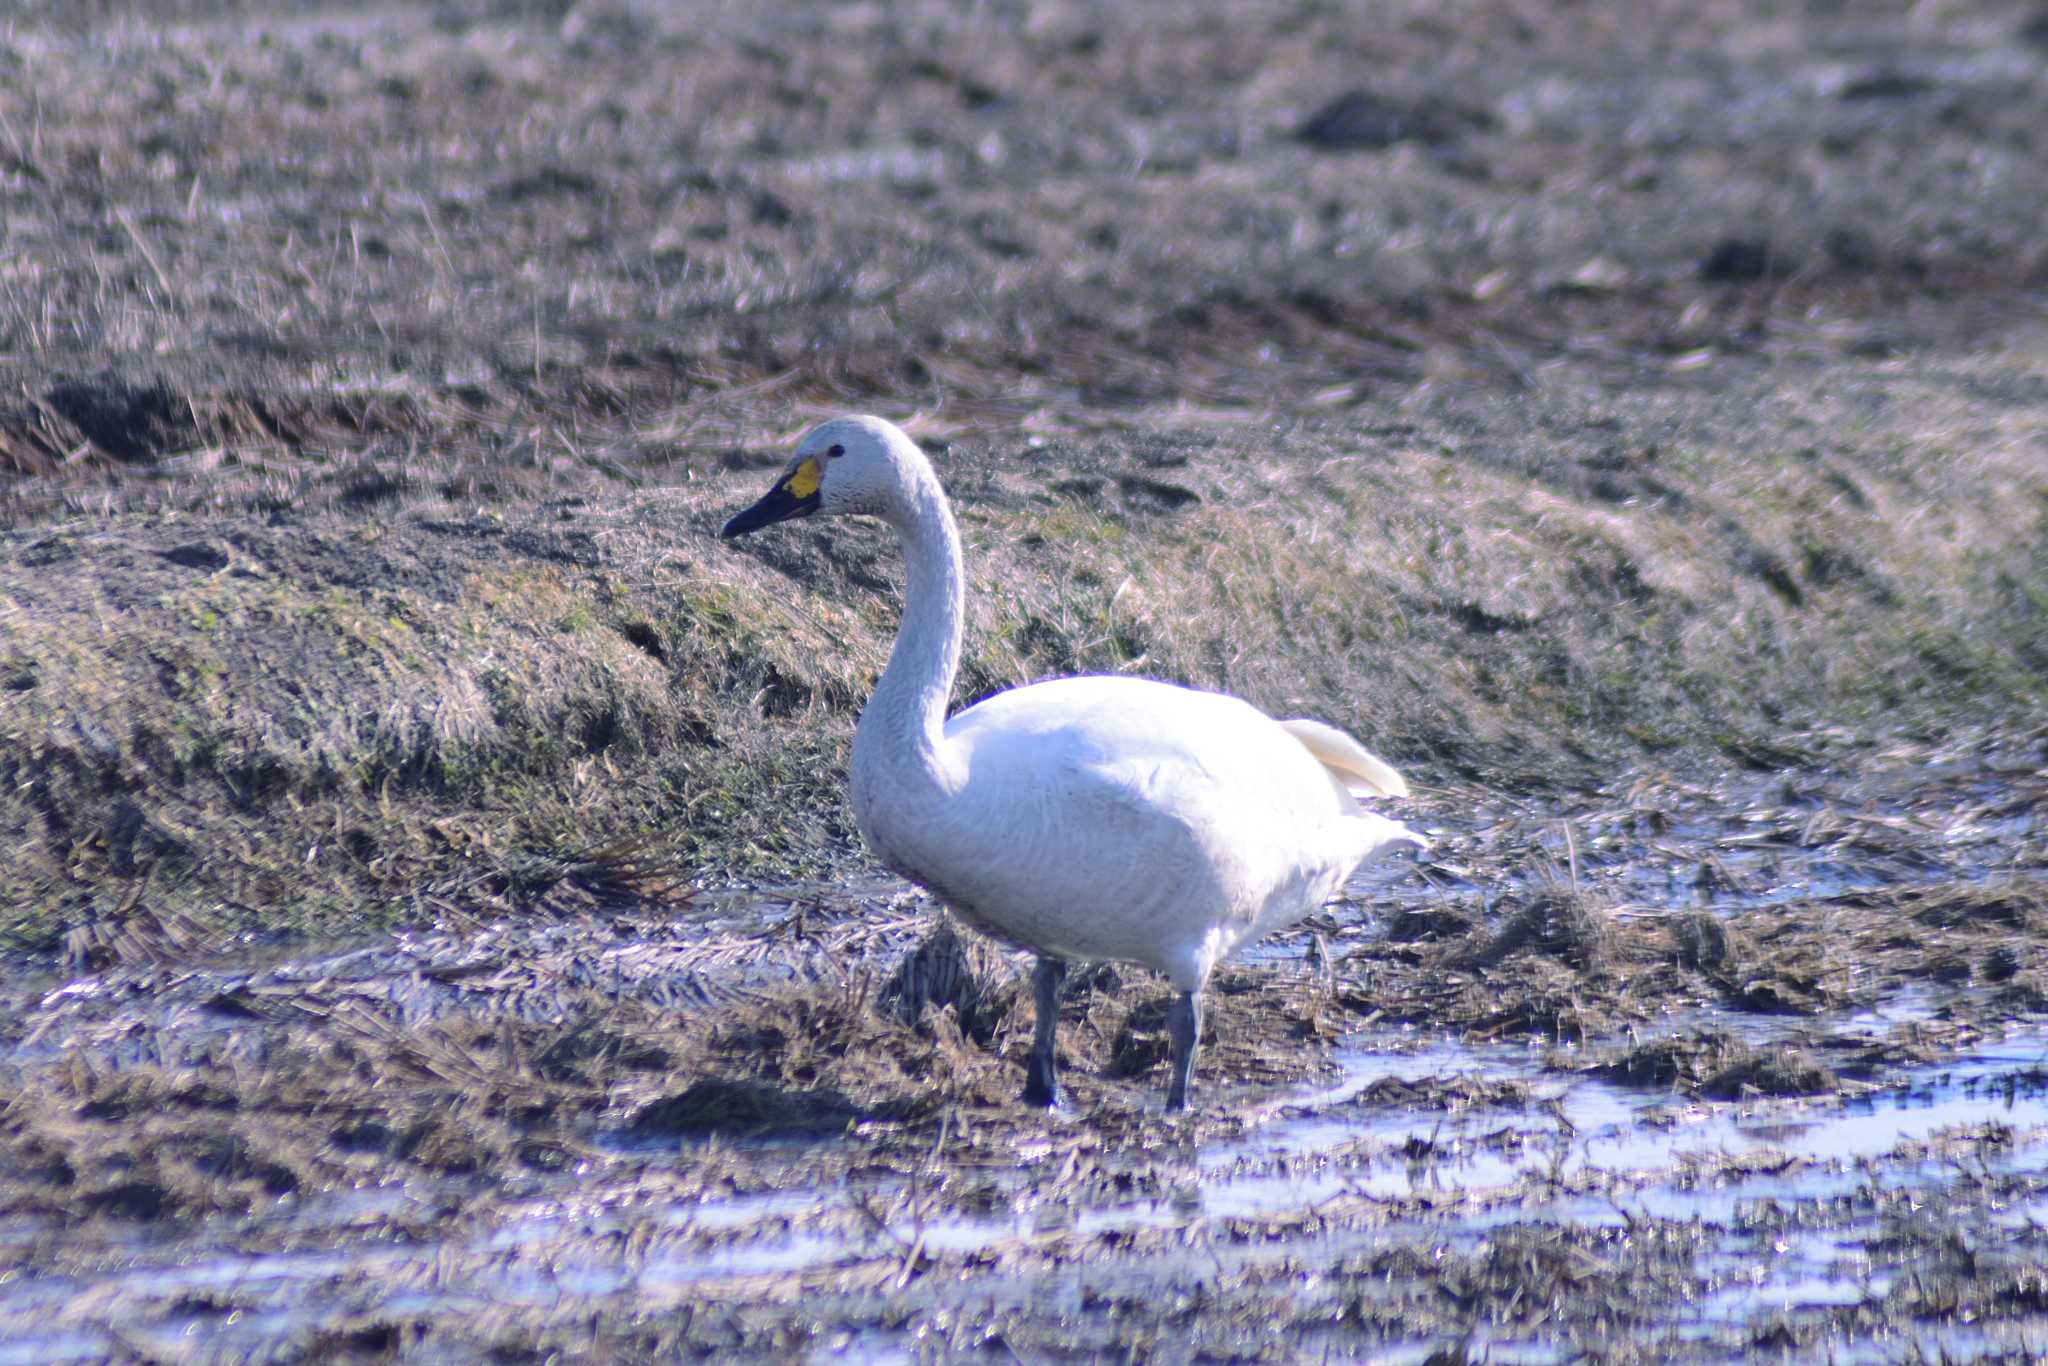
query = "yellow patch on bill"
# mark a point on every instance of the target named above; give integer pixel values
(803, 481)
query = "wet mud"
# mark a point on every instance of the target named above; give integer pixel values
(1677, 1071)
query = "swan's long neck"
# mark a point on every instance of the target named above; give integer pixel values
(902, 729)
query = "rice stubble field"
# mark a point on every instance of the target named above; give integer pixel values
(434, 928)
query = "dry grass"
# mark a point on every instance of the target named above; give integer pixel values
(360, 454)
(424, 713)
(318, 269)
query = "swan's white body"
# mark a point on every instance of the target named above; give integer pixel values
(1124, 819)
(1088, 817)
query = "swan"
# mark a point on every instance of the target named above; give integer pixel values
(1089, 817)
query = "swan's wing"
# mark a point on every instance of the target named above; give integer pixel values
(1116, 818)
(1200, 758)
(1117, 718)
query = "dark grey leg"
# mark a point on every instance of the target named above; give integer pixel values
(1041, 1085)
(1184, 1027)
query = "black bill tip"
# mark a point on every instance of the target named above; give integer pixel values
(780, 505)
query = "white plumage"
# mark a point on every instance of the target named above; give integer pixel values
(1088, 817)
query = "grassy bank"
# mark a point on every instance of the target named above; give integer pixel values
(336, 720)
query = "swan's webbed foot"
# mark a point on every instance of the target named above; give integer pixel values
(1184, 1029)
(1041, 1072)
(1041, 1087)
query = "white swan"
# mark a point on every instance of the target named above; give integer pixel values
(1090, 817)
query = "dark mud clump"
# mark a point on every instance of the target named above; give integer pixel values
(1571, 929)
(744, 1109)
(132, 423)
(961, 974)
(1719, 1068)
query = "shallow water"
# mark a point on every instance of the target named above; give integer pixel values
(1666, 845)
(1790, 1197)
(1827, 1213)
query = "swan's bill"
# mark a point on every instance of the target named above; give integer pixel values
(794, 495)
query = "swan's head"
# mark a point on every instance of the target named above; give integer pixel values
(847, 465)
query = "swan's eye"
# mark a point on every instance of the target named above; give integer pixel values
(836, 451)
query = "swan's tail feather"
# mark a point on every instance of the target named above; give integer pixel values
(1357, 771)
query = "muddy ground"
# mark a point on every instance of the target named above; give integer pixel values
(433, 928)
(1733, 1072)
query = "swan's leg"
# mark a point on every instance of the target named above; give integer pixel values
(1041, 1086)
(1184, 1027)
